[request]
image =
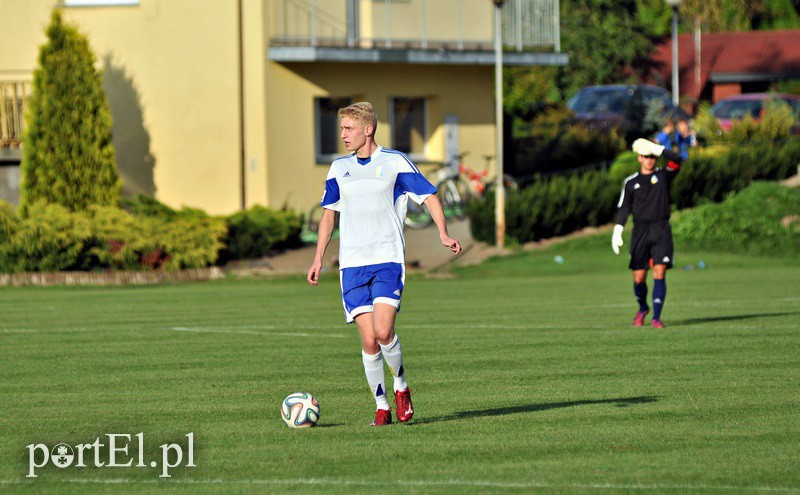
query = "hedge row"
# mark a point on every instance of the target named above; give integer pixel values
(249, 234)
(145, 235)
(558, 205)
(764, 218)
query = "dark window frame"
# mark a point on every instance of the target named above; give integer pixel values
(418, 155)
(323, 125)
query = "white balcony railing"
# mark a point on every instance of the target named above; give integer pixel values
(13, 98)
(435, 24)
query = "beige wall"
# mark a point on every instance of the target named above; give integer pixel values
(175, 61)
(172, 75)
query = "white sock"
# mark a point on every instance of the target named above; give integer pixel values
(393, 354)
(373, 368)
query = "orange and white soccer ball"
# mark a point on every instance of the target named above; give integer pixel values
(300, 410)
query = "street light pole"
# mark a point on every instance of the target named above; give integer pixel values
(500, 193)
(675, 92)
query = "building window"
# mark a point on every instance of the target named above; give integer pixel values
(98, 3)
(328, 144)
(409, 125)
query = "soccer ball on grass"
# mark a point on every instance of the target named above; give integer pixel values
(300, 410)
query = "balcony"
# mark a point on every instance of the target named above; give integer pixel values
(13, 97)
(414, 31)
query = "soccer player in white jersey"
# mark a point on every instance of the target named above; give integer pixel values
(370, 189)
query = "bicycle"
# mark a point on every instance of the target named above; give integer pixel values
(310, 230)
(480, 184)
(453, 192)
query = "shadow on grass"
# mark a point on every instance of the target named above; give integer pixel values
(500, 411)
(713, 319)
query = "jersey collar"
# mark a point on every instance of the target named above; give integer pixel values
(365, 161)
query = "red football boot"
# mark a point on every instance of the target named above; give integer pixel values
(405, 410)
(383, 417)
(638, 320)
(657, 323)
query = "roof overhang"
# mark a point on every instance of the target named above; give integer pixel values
(740, 77)
(283, 54)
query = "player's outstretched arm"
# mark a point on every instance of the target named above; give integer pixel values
(324, 238)
(437, 213)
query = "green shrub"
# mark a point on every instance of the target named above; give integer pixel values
(763, 218)
(9, 223)
(253, 233)
(147, 206)
(561, 204)
(706, 125)
(776, 124)
(551, 142)
(190, 239)
(146, 235)
(249, 234)
(548, 207)
(50, 238)
(116, 240)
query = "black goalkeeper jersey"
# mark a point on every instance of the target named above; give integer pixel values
(647, 196)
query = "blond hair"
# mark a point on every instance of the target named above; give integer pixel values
(362, 112)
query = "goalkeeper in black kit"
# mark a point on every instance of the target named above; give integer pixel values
(646, 195)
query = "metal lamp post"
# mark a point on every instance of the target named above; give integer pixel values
(675, 93)
(500, 195)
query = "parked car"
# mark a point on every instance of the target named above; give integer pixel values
(728, 110)
(621, 106)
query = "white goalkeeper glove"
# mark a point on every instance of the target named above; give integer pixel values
(646, 147)
(616, 239)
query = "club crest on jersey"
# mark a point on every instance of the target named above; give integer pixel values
(379, 171)
(653, 179)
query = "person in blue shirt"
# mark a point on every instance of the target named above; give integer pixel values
(666, 137)
(686, 138)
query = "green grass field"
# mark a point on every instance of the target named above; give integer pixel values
(527, 376)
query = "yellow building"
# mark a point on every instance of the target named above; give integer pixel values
(222, 104)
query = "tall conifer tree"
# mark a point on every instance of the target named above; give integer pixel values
(68, 157)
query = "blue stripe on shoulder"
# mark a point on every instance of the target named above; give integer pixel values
(405, 157)
(414, 183)
(331, 192)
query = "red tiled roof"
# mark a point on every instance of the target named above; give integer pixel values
(771, 53)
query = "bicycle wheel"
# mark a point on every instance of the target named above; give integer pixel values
(509, 184)
(314, 216)
(310, 230)
(417, 216)
(454, 194)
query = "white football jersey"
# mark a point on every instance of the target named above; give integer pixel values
(371, 196)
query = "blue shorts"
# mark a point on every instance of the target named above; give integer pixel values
(364, 286)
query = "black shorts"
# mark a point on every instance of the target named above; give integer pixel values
(651, 242)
